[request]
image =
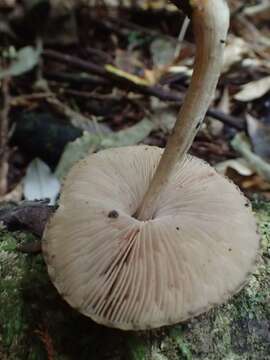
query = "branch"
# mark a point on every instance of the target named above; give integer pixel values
(125, 83)
(118, 80)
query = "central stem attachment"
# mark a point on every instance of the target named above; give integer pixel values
(210, 20)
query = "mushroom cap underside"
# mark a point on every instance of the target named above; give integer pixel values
(196, 250)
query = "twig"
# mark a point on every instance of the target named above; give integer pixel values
(92, 95)
(177, 54)
(124, 83)
(101, 55)
(40, 83)
(77, 119)
(227, 119)
(24, 100)
(81, 79)
(4, 136)
(46, 339)
(181, 37)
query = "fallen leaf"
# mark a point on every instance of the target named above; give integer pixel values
(77, 119)
(240, 165)
(215, 126)
(128, 61)
(89, 143)
(76, 150)
(255, 183)
(241, 144)
(259, 134)
(133, 78)
(40, 183)
(258, 12)
(234, 52)
(224, 104)
(26, 59)
(162, 52)
(253, 90)
(127, 137)
(163, 115)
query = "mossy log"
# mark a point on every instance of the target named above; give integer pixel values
(35, 323)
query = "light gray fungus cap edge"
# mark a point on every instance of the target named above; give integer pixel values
(195, 251)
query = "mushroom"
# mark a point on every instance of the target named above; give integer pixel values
(144, 238)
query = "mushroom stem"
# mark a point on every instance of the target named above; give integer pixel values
(210, 25)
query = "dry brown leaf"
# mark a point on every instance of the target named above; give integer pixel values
(255, 183)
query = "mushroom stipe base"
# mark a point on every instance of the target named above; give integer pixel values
(195, 251)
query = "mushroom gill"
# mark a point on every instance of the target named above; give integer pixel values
(195, 250)
(144, 237)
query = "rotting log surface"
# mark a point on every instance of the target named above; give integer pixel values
(36, 324)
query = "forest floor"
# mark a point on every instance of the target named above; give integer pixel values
(35, 323)
(80, 76)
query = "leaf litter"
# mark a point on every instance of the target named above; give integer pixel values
(108, 77)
